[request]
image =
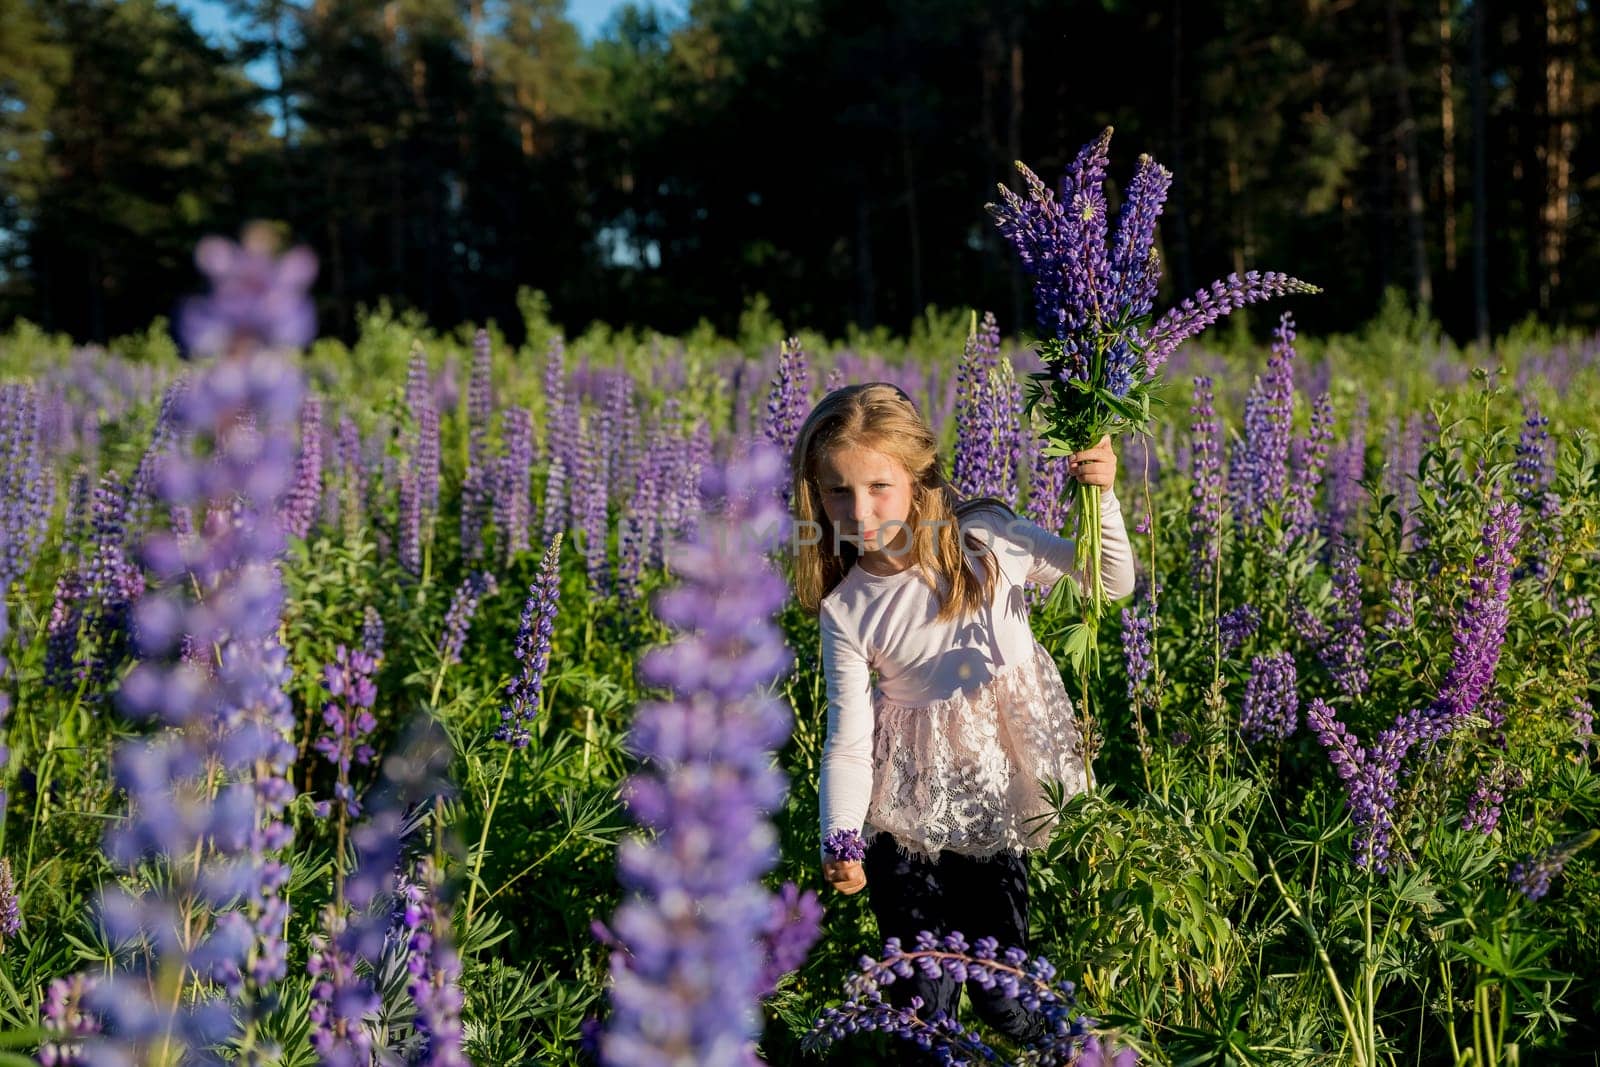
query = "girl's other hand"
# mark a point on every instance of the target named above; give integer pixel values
(1094, 466)
(847, 876)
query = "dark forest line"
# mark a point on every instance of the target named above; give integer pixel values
(834, 157)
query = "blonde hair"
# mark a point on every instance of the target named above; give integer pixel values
(880, 417)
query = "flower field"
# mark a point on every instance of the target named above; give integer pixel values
(431, 700)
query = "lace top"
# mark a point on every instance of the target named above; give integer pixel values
(947, 750)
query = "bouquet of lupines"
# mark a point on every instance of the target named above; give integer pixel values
(1102, 353)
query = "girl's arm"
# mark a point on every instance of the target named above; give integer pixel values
(1053, 556)
(846, 771)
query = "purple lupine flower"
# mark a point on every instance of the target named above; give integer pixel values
(1488, 794)
(1405, 455)
(257, 297)
(1031, 981)
(589, 497)
(435, 972)
(410, 522)
(425, 461)
(1135, 265)
(1236, 627)
(513, 504)
(1371, 777)
(532, 650)
(62, 630)
(975, 431)
(1047, 490)
(793, 927)
(478, 484)
(1061, 244)
(990, 433)
(340, 998)
(349, 719)
(1344, 652)
(230, 725)
(1258, 475)
(5, 694)
(1209, 304)
(1581, 715)
(111, 584)
(10, 909)
(844, 844)
(1532, 876)
(620, 431)
(555, 499)
(790, 396)
(372, 633)
(1401, 612)
(563, 412)
(1532, 473)
(25, 483)
(352, 488)
(67, 1019)
(706, 784)
(834, 380)
(1205, 514)
(1136, 649)
(1345, 470)
(419, 481)
(1271, 705)
(364, 932)
(463, 606)
(1300, 515)
(300, 506)
(141, 491)
(637, 527)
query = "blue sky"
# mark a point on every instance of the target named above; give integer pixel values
(211, 16)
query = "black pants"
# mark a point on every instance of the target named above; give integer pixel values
(978, 897)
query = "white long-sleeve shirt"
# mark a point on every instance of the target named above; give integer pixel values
(967, 714)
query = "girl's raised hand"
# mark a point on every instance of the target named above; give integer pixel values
(847, 876)
(1094, 466)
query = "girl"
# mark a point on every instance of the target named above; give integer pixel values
(938, 764)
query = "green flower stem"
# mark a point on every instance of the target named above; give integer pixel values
(1360, 1046)
(483, 838)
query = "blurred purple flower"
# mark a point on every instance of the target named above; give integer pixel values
(257, 297)
(207, 790)
(792, 928)
(686, 985)
(435, 971)
(66, 1017)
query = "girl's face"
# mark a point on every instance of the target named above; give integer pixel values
(863, 492)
